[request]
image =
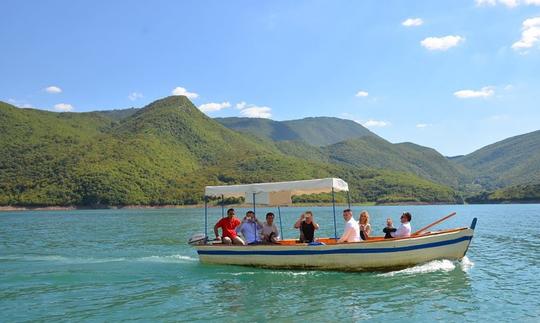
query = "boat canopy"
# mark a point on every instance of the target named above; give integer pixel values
(278, 192)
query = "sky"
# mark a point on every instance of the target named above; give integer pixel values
(451, 75)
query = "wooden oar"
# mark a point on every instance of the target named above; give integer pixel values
(434, 223)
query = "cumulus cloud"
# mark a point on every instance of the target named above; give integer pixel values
(53, 89)
(375, 123)
(422, 125)
(484, 92)
(63, 107)
(135, 96)
(506, 3)
(362, 94)
(412, 22)
(241, 105)
(442, 43)
(212, 107)
(530, 34)
(182, 91)
(256, 112)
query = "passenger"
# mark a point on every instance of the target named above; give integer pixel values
(389, 229)
(365, 227)
(269, 232)
(250, 228)
(351, 233)
(228, 226)
(307, 227)
(404, 229)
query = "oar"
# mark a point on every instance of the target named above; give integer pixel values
(434, 223)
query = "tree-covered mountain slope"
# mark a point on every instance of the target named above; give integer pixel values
(317, 131)
(512, 161)
(164, 153)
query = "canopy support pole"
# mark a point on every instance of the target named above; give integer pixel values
(222, 206)
(254, 203)
(334, 210)
(349, 199)
(280, 226)
(206, 217)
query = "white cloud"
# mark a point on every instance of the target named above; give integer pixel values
(485, 3)
(506, 3)
(412, 22)
(135, 96)
(498, 117)
(241, 105)
(530, 34)
(375, 123)
(510, 3)
(182, 91)
(212, 107)
(256, 112)
(422, 125)
(442, 43)
(509, 87)
(63, 107)
(53, 89)
(362, 94)
(484, 92)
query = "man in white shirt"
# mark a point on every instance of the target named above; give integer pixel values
(351, 233)
(250, 228)
(269, 231)
(404, 229)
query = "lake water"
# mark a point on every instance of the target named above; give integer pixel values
(111, 265)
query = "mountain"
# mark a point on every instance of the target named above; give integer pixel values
(164, 153)
(512, 161)
(319, 131)
(346, 142)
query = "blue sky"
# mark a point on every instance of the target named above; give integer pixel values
(451, 75)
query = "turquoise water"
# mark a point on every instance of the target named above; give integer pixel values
(110, 265)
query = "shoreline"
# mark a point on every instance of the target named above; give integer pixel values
(194, 206)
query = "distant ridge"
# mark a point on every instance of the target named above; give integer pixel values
(315, 131)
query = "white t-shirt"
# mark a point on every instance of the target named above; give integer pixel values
(351, 233)
(267, 229)
(404, 230)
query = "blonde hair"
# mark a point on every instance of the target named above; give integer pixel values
(367, 217)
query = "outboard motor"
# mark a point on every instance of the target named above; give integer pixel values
(197, 239)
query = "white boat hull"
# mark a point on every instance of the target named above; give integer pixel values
(378, 254)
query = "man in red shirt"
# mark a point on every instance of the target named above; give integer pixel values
(228, 226)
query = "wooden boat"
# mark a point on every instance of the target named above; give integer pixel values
(326, 253)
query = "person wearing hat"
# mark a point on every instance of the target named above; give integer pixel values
(307, 226)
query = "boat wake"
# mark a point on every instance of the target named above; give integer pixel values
(433, 266)
(90, 260)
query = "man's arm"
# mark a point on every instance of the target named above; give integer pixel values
(316, 225)
(346, 234)
(216, 230)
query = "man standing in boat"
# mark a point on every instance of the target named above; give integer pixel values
(351, 233)
(228, 227)
(307, 227)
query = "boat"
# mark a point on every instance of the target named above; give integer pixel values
(375, 253)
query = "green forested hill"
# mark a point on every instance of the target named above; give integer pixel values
(512, 161)
(319, 131)
(164, 153)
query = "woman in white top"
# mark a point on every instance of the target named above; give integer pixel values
(365, 227)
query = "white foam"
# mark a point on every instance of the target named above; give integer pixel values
(167, 259)
(466, 263)
(429, 267)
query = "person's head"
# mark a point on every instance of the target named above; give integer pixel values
(270, 218)
(308, 216)
(250, 215)
(364, 217)
(230, 213)
(389, 222)
(347, 214)
(406, 217)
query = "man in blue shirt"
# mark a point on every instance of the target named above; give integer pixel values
(250, 228)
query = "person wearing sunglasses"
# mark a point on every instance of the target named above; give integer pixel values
(404, 229)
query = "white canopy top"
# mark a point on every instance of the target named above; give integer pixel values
(311, 186)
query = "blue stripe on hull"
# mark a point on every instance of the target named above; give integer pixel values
(333, 251)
